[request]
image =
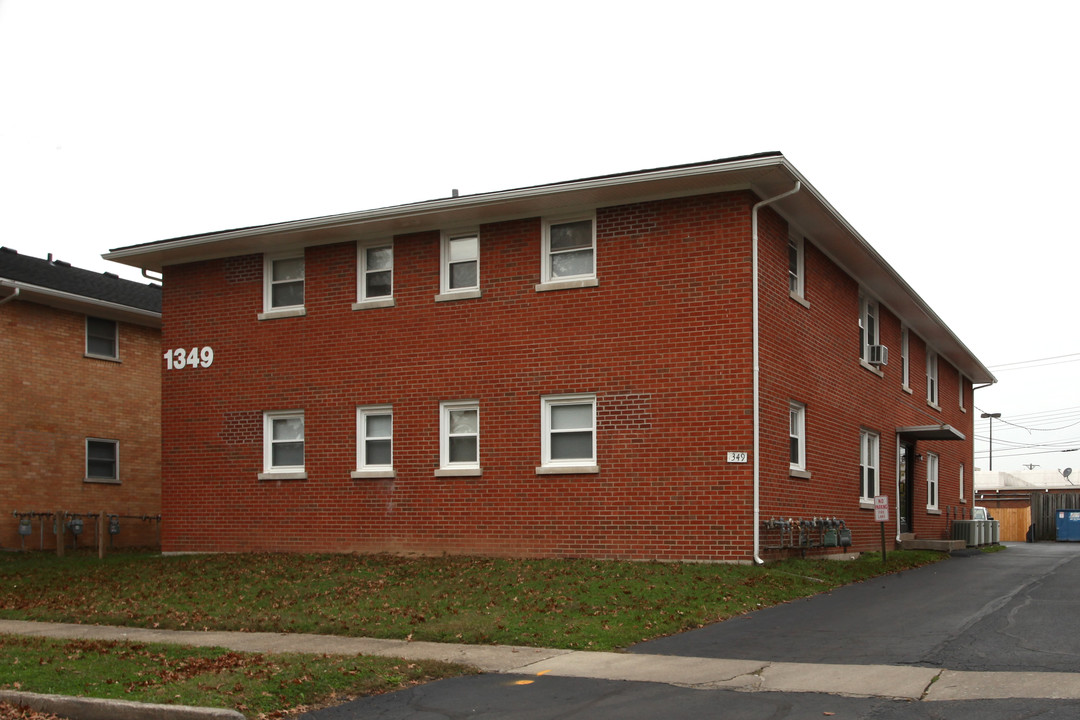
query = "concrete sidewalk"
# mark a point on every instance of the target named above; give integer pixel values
(884, 681)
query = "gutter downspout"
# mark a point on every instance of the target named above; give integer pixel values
(757, 365)
(11, 297)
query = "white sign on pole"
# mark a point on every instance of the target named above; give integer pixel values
(881, 508)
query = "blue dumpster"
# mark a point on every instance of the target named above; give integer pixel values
(1068, 525)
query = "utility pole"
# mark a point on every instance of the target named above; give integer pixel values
(991, 416)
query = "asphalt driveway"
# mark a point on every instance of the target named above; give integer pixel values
(1005, 611)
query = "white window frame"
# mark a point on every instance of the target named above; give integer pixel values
(869, 461)
(115, 339)
(448, 468)
(460, 293)
(269, 311)
(960, 380)
(932, 389)
(932, 486)
(868, 310)
(962, 498)
(363, 300)
(280, 472)
(797, 277)
(549, 281)
(115, 477)
(364, 468)
(905, 359)
(797, 433)
(550, 465)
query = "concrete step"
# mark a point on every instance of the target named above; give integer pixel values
(939, 545)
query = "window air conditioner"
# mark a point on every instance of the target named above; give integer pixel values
(878, 355)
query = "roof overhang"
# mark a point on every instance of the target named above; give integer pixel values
(930, 432)
(767, 175)
(78, 303)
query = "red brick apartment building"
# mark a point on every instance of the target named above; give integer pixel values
(80, 403)
(560, 370)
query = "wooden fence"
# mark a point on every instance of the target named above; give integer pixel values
(1015, 522)
(1044, 507)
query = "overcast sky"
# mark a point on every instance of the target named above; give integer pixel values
(945, 132)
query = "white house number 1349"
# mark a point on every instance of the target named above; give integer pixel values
(180, 358)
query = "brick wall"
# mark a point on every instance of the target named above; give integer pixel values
(664, 342)
(53, 398)
(810, 355)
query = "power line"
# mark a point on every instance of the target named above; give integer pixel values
(1046, 360)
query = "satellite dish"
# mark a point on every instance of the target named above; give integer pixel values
(1067, 472)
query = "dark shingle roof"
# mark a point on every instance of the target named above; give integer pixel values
(61, 276)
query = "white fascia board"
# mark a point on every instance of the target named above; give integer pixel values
(495, 205)
(82, 304)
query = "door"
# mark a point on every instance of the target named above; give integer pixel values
(907, 484)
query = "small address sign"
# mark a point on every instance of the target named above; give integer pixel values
(180, 358)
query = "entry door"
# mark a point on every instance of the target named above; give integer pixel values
(907, 485)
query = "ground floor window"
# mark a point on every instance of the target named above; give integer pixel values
(102, 460)
(931, 481)
(869, 444)
(569, 431)
(283, 442)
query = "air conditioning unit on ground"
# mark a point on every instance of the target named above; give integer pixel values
(877, 355)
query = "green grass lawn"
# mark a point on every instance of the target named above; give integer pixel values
(570, 603)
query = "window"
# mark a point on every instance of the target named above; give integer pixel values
(796, 272)
(905, 361)
(459, 438)
(102, 460)
(868, 327)
(960, 382)
(931, 377)
(101, 338)
(460, 267)
(961, 482)
(869, 444)
(374, 441)
(375, 275)
(569, 434)
(283, 445)
(931, 481)
(283, 286)
(569, 252)
(797, 433)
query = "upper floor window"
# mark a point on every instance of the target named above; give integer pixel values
(796, 266)
(102, 460)
(960, 382)
(375, 441)
(569, 433)
(459, 441)
(931, 481)
(869, 445)
(905, 359)
(797, 435)
(569, 251)
(375, 274)
(460, 266)
(101, 338)
(283, 285)
(931, 377)
(868, 327)
(283, 444)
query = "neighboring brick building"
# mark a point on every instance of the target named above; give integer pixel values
(80, 403)
(561, 370)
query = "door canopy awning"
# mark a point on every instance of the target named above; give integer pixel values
(930, 432)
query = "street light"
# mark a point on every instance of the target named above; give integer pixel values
(991, 416)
